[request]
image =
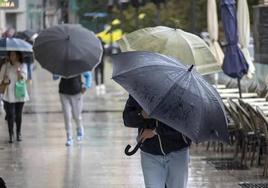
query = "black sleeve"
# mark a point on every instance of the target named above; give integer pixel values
(132, 115)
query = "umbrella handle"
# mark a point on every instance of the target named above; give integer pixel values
(129, 153)
(190, 69)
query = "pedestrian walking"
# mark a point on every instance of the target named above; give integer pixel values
(71, 92)
(164, 151)
(28, 59)
(99, 75)
(15, 95)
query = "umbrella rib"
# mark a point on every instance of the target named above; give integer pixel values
(127, 71)
(212, 91)
(182, 36)
(170, 91)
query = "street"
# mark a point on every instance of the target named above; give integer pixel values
(42, 160)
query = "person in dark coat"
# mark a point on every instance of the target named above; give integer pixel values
(164, 151)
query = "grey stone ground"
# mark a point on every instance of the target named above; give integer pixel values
(41, 160)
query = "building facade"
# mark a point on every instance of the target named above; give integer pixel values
(35, 14)
(21, 15)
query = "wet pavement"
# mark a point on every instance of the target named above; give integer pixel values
(42, 160)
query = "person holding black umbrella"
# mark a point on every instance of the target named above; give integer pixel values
(71, 92)
(164, 151)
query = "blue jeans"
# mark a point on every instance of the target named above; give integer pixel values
(170, 170)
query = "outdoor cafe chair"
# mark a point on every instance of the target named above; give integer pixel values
(256, 146)
(263, 123)
(248, 133)
(238, 133)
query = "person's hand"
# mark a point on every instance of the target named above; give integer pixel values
(144, 115)
(146, 134)
(20, 77)
(83, 90)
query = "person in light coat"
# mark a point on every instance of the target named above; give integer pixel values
(13, 71)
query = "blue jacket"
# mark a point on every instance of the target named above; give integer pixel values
(167, 139)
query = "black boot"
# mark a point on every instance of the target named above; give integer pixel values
(18, 137)
(10, 139)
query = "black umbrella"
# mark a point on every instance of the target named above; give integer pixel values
(173, 94)
(27, 35)
(67, 49)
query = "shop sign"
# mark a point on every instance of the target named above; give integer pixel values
(9, 4)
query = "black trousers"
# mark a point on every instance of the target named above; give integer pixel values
(99, 74)
(14, 114)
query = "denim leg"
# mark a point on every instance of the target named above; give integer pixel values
(177, 164)
(154, 170)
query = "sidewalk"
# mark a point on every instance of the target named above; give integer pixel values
(42, 160)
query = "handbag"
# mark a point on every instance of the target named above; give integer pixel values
(20, 89)
(5, 82)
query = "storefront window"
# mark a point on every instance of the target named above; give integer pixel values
(11, 20)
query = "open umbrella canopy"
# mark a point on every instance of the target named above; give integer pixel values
(173, 94)
(67, 49)
(27, 35)
(234, 63)
(14, 44)
(186, 47)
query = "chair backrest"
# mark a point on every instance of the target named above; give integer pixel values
(244, 118)
(242, 103)
(253, 116)
(234, 113)
(263, 122)
(251, 112)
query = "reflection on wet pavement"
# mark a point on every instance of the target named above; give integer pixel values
(41, 160)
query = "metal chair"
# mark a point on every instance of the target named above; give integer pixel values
(248, 133)
(263, 123)
(238, 133)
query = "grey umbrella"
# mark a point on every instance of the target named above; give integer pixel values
(67, 49)
(172, 93)
(15, 44)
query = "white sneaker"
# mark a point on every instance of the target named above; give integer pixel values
(69, 142)
(102, 89)
(80, 134)
(98, 90)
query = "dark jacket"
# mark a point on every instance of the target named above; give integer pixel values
(71, 86)
(167, 139)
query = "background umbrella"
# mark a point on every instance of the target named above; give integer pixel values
(67, 49)
(212, 21)
(27, 35)
(234, 63)
(186, 47)
(179, 97)
(14, 44)
(244, 33)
